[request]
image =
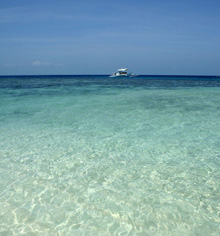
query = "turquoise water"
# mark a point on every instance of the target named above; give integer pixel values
(90, 155)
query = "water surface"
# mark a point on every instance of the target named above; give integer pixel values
(92, 155)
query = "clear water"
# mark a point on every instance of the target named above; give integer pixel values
(90, 155)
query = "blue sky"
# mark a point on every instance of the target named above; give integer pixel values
(98, 37)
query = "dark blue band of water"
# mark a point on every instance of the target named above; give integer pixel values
(161, 81)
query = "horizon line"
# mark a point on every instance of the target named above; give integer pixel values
(142, 75)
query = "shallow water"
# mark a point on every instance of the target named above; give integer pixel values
(90, 155)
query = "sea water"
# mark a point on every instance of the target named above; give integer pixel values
(92, 155)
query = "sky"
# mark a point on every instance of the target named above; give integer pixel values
(172, 37)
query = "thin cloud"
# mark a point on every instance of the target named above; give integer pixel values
(40, 63)
(11, 14)
(23, 14)
(34, 63)
(36, 40)
(13, 64)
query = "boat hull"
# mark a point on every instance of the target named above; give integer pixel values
(119, 75)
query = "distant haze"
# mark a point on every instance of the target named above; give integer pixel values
(98, 37)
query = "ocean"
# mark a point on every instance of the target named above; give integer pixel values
(93, 155)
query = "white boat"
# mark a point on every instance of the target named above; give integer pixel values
(123, 72)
